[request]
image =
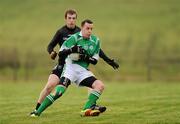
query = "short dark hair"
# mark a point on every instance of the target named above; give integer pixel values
(71, 12)
(86, 21)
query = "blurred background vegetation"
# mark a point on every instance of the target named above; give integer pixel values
(142, 35)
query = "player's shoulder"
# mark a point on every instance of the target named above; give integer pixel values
(78, 28)
(74, 36)
(94, 37)
(62, 29)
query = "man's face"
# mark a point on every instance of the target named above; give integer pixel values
(71, 20)
(87, 30)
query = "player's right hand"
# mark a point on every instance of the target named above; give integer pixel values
(114, 64)
(83, 57)
(77, 49)
(53, 55)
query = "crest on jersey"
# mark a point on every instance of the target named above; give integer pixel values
(91, 47)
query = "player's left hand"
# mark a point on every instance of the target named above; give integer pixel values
(77, 49)
(114, 64)
(53, 55)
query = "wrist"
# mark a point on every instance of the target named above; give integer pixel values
(52, 52)
(70, 51)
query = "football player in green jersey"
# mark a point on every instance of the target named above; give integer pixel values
(80, 50)
(61, 35)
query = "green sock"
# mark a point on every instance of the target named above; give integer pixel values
(46, 103)
(51, 98)
(93, 97)
(60, 89)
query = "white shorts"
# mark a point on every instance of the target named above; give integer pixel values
(75, 73)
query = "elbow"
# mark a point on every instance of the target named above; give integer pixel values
(60, 54)
(94, 62)
(49, 49)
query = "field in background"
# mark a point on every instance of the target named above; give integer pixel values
(127, 103)
(142, 35)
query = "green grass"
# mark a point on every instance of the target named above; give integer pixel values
(127, 103)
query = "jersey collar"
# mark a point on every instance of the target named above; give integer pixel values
(80, 34)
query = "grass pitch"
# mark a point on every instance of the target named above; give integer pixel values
(127, 103)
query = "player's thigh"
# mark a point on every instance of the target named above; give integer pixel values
(57, 70)
(85, 78)
(69, 72)
(88, 82)
(53, 80)
(54, 77)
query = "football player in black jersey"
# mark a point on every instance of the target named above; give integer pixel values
(61, 35)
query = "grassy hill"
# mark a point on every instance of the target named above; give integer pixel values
(134, 32)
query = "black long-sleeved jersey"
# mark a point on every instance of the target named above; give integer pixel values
(61, 35)
(64, 33)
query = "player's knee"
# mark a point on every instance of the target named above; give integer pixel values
(65, 81)
(101, 86)
(59, 90)
(98, 85)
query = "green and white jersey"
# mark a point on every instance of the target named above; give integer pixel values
(91, 47)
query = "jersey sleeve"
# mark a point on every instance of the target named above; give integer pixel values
(97, 50)
(54, 41)
(70, 42)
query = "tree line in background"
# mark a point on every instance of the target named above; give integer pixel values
(11, 59)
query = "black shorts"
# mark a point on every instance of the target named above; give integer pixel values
(88, 81)
(57, 70)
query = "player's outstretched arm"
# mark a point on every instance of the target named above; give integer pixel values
(109, 61)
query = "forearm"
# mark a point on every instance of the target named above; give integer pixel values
(64, 53)
(51, 51)
(109, 61)
(50, 48)
(88, 59)
(53, 42)
(104, 56)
